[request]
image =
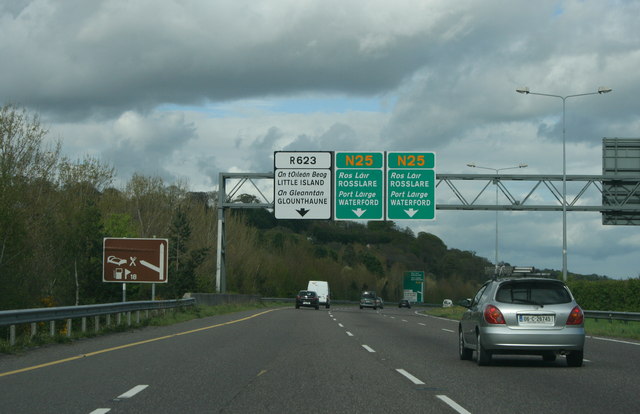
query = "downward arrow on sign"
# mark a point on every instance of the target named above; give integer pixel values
(411, 212)
(302, 211)
(359, 212)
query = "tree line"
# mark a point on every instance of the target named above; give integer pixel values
(55, 213)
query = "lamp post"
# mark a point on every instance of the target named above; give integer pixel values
(600, 91)
(497, 171)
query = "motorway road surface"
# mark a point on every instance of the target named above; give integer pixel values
(341, 360)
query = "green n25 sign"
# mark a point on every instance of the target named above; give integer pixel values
(411, 160)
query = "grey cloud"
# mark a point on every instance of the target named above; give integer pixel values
(102, 57)
(339, 136)
(147, 145)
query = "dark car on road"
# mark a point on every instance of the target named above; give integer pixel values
(404, 303)
(369, 299)
(307, 298)
(530, 316)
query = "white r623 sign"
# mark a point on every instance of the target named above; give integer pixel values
(302, 185)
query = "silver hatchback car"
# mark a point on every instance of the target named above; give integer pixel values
(530, 316)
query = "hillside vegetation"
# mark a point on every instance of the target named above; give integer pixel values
(55, 213)
(278, 258)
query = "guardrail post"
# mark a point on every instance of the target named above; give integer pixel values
(138, 317)
(96, 323)
(119, 318)
(33, 329)
(68, 328)
(108, 320)
(84, 324)
(12, 335)
(129, 318)
(52, 328)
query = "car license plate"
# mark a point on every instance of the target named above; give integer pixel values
(306, 303)
(536, 319)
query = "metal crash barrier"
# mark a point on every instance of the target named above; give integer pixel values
(12, 318)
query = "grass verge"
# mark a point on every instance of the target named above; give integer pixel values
(24, 342)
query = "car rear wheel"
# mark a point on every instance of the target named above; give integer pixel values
(574, 359)
(465, 353)
(483, 357)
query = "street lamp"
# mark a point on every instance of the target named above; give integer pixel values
(600, 91)
(497, 171)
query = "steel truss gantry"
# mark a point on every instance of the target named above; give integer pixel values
(625, 202)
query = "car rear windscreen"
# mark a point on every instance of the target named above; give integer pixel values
(542, 293)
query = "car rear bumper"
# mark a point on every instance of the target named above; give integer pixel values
(308, 305)
(502, 338)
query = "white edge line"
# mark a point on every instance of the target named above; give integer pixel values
(349, 333)
(614, 340)
(410, 377)
(436, 317)
(368, 348)
(133, 391)
(341, 325)
(453, 404)
(448, 330)
(100, 411)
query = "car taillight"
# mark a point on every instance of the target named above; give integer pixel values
(576, 317)
(493, 315)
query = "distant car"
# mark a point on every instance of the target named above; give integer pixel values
(380, 302)
(307, 298)
(447, 303)
(404, 303)
(531, 316)
(369, 299)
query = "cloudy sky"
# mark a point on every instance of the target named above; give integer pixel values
(187, 89)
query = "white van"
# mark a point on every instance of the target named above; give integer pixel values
(321, 287)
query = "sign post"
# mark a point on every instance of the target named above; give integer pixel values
(411, 186)
(359, 186)
(413, 286)
(302, 188)
(135, 260)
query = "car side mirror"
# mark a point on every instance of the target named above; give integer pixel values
(466, 303)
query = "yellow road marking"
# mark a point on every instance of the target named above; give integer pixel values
(115, 348)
